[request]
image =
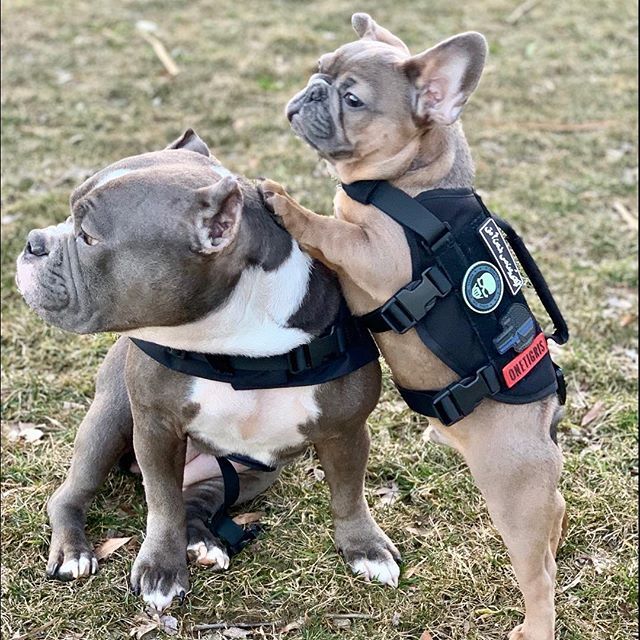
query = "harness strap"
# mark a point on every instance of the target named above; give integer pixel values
(345, 347)
(401, 207)
(459, 399)
(220, 523)
(561, 330)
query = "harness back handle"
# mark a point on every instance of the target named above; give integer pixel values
(561, 331)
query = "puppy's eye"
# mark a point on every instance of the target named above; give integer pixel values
(86, 238)
(353, 100)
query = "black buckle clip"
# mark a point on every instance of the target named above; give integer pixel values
(300, 359)
(412, 303)
(177, 353)
(460, 399)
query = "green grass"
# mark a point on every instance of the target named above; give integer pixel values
(563, 188)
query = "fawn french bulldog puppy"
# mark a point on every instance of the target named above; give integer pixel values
(169, 247)
(376, 112)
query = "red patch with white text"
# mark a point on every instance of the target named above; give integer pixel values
(518, 368)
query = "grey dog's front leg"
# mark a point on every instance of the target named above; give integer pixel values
(365, 547)
(159, 572)
(104, 434)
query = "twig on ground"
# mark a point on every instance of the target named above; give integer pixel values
(350, 616)
(159, 49)
(239, 625)
(520, 11)
(33, 632)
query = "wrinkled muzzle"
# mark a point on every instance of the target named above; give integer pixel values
(312, 108)
(42, 271)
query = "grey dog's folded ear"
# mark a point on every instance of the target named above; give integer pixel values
(190, 141)
(217, 215)
(445, 76)
(368, 29)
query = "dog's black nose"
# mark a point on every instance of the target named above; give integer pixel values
(317, 88)
(36, 243)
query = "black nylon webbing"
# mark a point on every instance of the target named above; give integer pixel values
(399, 206)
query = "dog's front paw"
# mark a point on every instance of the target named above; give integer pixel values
(71, 557)
(275, 197)
(369, 552)
(159, 578)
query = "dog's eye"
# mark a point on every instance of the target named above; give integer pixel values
(86, 238)
(353, 100)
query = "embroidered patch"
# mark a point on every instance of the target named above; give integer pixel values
(518, 368)
(518, 329)
(500, 250)
(482, 287)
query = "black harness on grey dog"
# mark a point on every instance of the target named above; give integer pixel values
(343, 348)
(465, 301)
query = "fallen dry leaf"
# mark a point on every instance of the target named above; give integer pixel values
(27, 431)
(236, 632)
(594, 413)
(169, 625)
(110, 545)
(146, 626)
(389, 494)
(249, 518)
(293, 626)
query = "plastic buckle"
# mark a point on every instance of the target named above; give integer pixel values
(407, 307)
(445, 238)
(300, 359)
(460, 399)
(177, 353)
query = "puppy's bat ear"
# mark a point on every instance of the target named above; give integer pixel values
(190, 141)
(217, 218)
(368, 29)
(445, 76)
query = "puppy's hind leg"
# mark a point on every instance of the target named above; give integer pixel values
(103, 436)
(204, 498)
(516, 465)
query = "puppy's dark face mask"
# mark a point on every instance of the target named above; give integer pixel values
(371, 101)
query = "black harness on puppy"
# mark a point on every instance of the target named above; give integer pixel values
(465, 301)
(344, 347)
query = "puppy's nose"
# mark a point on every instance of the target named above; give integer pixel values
(36, 243)
(318, 87)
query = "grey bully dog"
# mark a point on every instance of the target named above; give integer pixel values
(376, 112)
(169, 247)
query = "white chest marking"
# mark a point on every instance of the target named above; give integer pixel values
(256, 423)
(252, 321)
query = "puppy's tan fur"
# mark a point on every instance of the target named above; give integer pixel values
(414, 140)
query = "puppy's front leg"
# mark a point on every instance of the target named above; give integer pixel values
(366, 548)
(159, 572)
(327, 239)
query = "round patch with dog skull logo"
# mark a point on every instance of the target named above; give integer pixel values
(482, 287)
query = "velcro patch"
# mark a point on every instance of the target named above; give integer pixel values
(518, 368)
(500, 250)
